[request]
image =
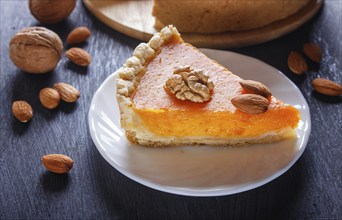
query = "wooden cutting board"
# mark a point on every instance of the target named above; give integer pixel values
(134, 18)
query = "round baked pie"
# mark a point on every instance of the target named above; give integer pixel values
(214, 16)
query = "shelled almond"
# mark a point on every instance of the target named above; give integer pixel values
(78, 35)
(51, 11)
(57, 163)
(297, 63)
(22, 110)
(254, 87)
(67, 92)
(49, 98)
(313, 51)
(327, 87)
(250, 103)
(79, 56)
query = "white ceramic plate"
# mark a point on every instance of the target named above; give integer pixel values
(201, 170)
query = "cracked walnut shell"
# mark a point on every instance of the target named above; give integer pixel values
(189, 84)
(36, 50)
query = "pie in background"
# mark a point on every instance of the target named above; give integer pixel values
(214, 16)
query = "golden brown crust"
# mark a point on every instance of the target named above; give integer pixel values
(222, 15)
(131, 137)
(157, 141)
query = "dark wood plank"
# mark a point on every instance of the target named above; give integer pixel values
(311, 189)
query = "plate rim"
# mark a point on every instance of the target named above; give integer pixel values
(203, 193)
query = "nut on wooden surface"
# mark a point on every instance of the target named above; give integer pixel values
(22, 110)
(250, 103)
(313, 51)
(57, 163)
(297, 63)
(78, 56)
(67, 92)
(49, 98)
(78, 35)
(327, 87)
(51, 11)
(36, 50)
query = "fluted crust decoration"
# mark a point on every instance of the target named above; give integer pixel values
(36, 49)
(222, 15)
(128, 76)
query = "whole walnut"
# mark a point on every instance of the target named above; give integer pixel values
(51, 11)
(36, 50)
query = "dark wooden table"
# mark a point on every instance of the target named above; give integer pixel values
(311, 189)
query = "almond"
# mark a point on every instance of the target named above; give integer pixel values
(78, 56)
(254, 87)
(49, 98)
(22, 111)
(297, 63)
(57, 163)
(327, 87)
(51, 11)
(67, 92)
(313, 51)
(250, 103)
(78, 35)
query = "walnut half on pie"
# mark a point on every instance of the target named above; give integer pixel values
(152, 116)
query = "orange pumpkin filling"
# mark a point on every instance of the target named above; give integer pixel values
(165, 115)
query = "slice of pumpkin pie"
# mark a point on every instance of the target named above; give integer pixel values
(170, 93)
